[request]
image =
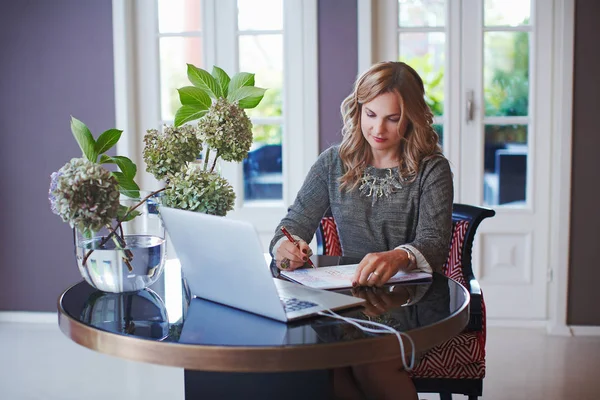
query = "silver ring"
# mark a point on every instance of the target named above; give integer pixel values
(375, 273)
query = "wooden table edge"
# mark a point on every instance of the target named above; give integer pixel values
(260, 358)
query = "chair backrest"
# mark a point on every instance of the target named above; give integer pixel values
(465, 221)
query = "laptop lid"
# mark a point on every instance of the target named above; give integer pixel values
(223, 261)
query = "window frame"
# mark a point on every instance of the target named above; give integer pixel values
(137, 92)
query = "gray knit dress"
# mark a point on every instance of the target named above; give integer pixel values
(385, 213)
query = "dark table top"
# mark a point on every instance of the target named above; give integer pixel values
(163, 325)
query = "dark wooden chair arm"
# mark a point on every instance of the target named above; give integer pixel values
(476, 311)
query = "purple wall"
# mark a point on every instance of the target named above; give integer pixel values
(338, 65)
(584, 273)
(56, 62)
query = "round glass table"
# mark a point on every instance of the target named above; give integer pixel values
(228, 352)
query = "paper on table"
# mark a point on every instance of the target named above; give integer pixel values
(340, 276)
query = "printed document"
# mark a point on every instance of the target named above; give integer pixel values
(340, 276)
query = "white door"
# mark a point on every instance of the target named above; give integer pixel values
(486, 65)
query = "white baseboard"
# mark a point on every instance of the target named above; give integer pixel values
(29, 317)
(559, 330)
(585, 330)
(516, 323)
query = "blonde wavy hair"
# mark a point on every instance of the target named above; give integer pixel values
(419, 142)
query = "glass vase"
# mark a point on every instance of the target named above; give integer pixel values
(126, 257)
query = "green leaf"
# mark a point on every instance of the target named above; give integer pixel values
(239, 80)
(193, 96)
(84, 139)
(122, 212)
(247, 96)
(127, 186)
(188, 113)
(107, 140)
(222, 79)
(119, 175)
(203, 80)
(127, 167)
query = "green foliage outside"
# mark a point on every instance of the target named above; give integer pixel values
(433, 80)
(270, 106)
(507, 92)
(506, 88)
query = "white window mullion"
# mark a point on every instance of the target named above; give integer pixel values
(147, 82)
(299, 148)
(385, 31)
(472, 132)
(226, 57)
(365, 34)
(125, 90)
(452, 103)
(209, 32)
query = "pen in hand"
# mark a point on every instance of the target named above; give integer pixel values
(295, 242)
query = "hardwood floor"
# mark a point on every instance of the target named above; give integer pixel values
(38, 362)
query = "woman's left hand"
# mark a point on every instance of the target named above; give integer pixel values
(375, 269)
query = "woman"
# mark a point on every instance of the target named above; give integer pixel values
(390, 191)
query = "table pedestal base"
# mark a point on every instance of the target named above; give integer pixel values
(314, 385)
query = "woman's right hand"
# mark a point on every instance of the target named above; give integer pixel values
(289, 256)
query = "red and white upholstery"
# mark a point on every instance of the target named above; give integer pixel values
(463, 356)
(331, 237)
(458, 364)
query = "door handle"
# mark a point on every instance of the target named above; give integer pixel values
(470, 111)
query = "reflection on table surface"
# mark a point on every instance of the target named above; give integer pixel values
(165, 313)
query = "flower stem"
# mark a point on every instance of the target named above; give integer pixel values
(214, 162)
(206, 157)
(113, 232)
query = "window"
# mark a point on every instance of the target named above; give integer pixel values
(275, 39)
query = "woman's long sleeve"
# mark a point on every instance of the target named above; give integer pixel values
(312, 200)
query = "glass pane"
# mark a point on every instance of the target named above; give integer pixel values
(263, 55)
(263, 179)
(506, 73)
(439, 128)
(425, 52)
(505, 164)
(413, 13)
(175, 53)
(507, 12)
(175, 16)
(260, 15)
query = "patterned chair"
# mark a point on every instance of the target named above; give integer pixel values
(457, 365)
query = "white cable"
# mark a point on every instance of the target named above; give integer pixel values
(358, 323)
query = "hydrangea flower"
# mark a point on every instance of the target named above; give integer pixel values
(198, 190)
(51, 196)
(227, 128)
(84, 194)
(166, 153)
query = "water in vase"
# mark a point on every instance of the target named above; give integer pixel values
(107, 270)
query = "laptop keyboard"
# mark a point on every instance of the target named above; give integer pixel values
(293, 304)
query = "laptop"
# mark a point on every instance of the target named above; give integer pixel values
(223, 261)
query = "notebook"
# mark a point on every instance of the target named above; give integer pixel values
(340, 276)
(223, 261)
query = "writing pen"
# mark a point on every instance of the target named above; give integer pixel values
(296, 243)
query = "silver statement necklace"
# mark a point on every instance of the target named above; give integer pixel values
(377, 183)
